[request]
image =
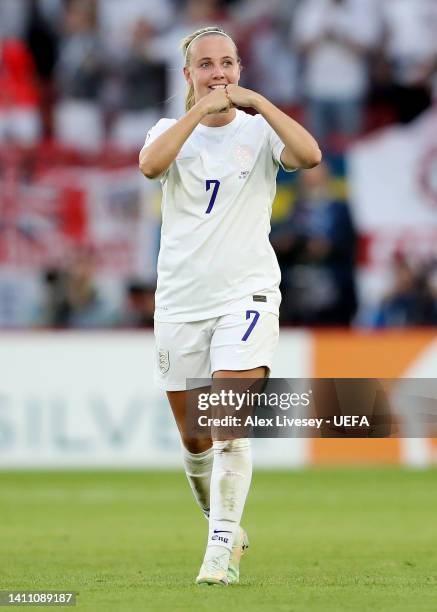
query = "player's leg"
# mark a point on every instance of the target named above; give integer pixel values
(183, 352)
(232, 468)
(230, 482)
(197, 453)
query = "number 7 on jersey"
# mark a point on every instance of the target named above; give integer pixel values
(216, 185)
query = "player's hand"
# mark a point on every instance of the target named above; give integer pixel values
(240, 96)
(216, 102)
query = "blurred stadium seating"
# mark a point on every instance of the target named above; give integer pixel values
(83, 81)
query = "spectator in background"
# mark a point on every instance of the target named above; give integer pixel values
(86, 308)
(14, 14)
(42, 39)
(118, 19)
(19, 114)
(410, 301)
(410, 51)
(139, 306)
(13, 18)
(128, 28)
(53, 312)
(316, 253)
(262, 32)
(259, 40)
(72, 299)
(142, 81)
(79, 77)
(334, 38)
(35, 23)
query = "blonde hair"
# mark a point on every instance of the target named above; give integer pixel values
(186, 50)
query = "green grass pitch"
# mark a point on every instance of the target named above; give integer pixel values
(321, 540)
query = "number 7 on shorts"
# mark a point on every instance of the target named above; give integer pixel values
(252, 324)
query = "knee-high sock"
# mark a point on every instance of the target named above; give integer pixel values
(198, 468)
(230, 482)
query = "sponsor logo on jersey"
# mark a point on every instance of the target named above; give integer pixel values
(164, 361)
(260, 298)
(220, 539)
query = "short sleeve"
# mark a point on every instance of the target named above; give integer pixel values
(159, 128)
(276, 146)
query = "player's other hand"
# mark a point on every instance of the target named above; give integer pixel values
(240, 96)
(216, 102)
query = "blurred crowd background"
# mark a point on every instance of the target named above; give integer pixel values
(82, 81)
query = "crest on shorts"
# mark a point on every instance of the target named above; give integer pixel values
(164, 361)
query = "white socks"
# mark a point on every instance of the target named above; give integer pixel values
(198, 468)
(220, 480)
(230, 482)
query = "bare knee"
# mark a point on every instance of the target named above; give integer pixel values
(196, 445)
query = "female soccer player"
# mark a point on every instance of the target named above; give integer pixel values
(217, 298)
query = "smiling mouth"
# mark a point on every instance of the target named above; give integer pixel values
(221, 86)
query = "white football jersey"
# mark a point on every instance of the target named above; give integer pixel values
(215, 256)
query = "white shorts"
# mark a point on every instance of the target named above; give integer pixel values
(239, 341)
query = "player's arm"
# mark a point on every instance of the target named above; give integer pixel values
(301, 150)
(156, 157)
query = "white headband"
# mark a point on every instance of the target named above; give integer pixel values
(208, 32)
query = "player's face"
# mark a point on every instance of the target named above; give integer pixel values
(213, 63)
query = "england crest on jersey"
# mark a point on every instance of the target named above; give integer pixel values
(164, 361)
